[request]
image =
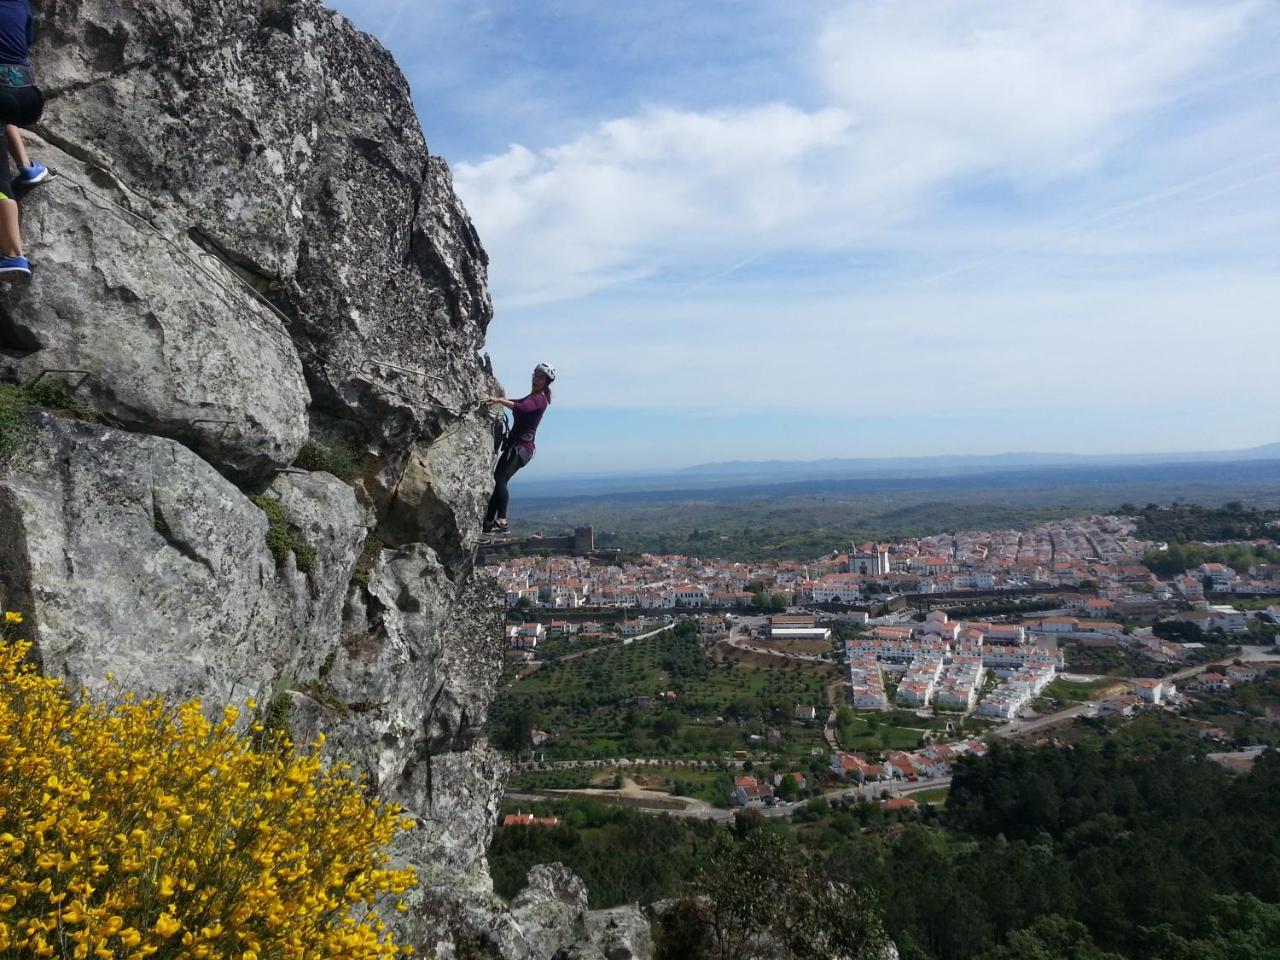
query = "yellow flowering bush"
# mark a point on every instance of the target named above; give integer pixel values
(136, 829)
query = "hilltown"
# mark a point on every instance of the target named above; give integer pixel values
(1098, 553)
(1082, 583)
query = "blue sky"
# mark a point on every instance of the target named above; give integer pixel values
(750, 230)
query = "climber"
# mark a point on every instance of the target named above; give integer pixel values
(518, 449)
(21, 104)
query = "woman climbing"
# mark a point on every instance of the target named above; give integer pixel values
(21, 104)
(518, 450)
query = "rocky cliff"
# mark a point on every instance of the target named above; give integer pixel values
(249, 253)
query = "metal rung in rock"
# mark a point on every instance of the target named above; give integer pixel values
(83, 374)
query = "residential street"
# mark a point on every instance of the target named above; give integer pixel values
(647, 801)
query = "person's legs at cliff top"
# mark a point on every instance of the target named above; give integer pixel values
(29, 174)
(20, 105)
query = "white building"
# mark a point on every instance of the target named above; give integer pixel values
(836, 592)
(1219, 575)
(869, 560)
(1227, 619)
(1154, 691)
(527, 636)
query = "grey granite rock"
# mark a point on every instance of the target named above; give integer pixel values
(288, 138)
(172, 342)
(134, 557)
(436, 497)
(548, 920)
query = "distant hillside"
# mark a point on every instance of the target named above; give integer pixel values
(959, 462)
(758, 473)
(805, 518)
(1187, 477)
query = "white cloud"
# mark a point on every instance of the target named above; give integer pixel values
(917, 95)
(1033, 87)
(1063, 344)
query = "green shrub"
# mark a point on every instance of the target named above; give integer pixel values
(138, 828)
(282, 540)
(368, 557)
(336, 458)
(304, 554)
(279, 539)
(16, 400)
(12, 430)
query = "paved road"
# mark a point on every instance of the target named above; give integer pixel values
(627, 641)
(701, 810)
(1017, 728)
(696, 763)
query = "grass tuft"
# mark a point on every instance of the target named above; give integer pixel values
(336, 458)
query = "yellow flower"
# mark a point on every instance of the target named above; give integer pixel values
(10, 617)
(167, 925)
(296, 833)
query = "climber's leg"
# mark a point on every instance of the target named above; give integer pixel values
(29, 174)
(513, 459)
(18, 105)
(13, 265)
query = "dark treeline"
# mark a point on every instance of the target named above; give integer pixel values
(1139, 851)
(1189, 522)
(1096, 852)
(624, 856)
(1187, 556)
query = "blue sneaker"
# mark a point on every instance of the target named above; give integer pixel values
(36, 173)
(15, 269)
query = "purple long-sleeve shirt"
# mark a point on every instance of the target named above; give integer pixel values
(528, 414)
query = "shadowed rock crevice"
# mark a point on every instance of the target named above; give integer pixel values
(161, 526)
(16, 339)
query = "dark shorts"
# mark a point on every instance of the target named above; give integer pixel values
(21, 106)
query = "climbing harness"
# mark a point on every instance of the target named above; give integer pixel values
(501, 437)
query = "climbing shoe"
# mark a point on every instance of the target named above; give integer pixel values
(15, 269)
(30, 176)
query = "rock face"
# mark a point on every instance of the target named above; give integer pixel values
(289, 140)
(548, 920)
(248, 249)
(137, 558)
(169, 339)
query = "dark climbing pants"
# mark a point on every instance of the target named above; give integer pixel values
(20, 106)
(512, 459)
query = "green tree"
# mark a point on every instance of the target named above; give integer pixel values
(766, 898)
(516, 734)
(788, 788)
(1052, 937)
(667, 724)
(1178, 631)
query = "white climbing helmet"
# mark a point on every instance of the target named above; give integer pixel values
(547, 370)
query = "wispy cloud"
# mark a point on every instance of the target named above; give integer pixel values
(918, 96)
